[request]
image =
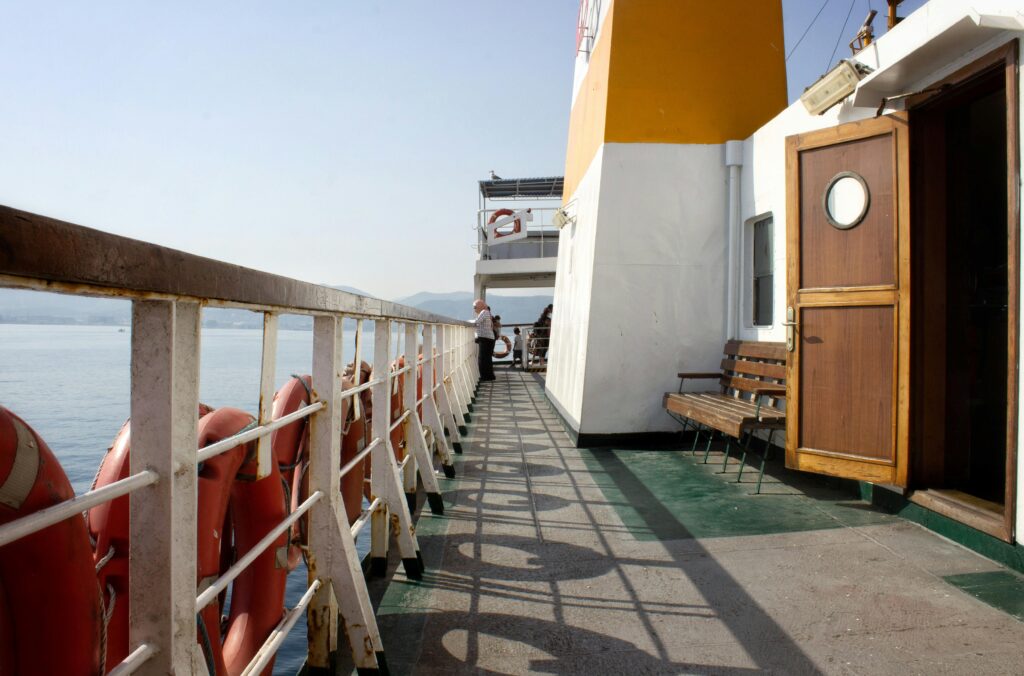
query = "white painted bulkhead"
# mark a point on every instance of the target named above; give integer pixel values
(642, 273)
(574, 277)
(961, 33)
(640, 289)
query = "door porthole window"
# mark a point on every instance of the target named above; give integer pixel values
(846, 200)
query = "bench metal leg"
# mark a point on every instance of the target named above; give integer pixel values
(725, 460)
(764, 459)
(743, 459)
(707, 449)
(696, 438)
(684, 421)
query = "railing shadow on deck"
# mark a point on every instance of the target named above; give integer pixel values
(764, 640)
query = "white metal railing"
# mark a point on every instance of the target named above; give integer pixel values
(541, 240)
(168, 290)
(535, 343)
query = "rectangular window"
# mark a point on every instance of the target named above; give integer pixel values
(762, 277)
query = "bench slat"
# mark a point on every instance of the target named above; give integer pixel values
(723, 419)
(730, 424)
(742, 406)
(756, 368)
(748, 385)
(757, 350)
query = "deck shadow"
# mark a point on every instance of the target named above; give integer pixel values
(451, 646)
(754, 628)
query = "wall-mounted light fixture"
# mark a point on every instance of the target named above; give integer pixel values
(562, 217)
(833, 87)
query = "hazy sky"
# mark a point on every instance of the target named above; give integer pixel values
(334, 141)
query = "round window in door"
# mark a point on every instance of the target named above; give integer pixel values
(846, 200)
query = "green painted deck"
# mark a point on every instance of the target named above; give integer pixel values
(555, 560)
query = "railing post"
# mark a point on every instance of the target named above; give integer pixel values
(380, 397)
(444, 400)
(461, 351)
(409, 390)
(384, 471)
(162, 527)
(474, 371)
(452, 377)
(415, 444)
(332, 551)
(268, 368)
(467, 367)
(431, 418)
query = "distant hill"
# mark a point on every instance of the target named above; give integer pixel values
(18, 306)
(459, 305)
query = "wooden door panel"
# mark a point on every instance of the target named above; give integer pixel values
(861, 256)
(847, 357)
(848, 376)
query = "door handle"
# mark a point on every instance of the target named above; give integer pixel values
(790, 325)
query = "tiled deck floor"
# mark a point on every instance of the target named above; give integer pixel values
(556, 560)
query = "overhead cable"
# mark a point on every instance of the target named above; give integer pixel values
(842, 31)
(807, 30)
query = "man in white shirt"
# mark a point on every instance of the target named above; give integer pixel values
(484, 328)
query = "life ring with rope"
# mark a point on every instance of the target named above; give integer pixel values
(235, 511)
(508, 347)
(48, 584)
(108, 528)
(517, 225)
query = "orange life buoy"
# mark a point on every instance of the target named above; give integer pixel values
(108, 527)
(517, 225)
(508, 347)
(354, 437)
(235, 511)
(294, 395)
(256, 507)
(397, 409)
(397, 435)
(290, 445)
(48, 589)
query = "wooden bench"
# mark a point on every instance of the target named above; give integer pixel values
(752, 384)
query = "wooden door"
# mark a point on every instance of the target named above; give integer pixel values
(848, 282)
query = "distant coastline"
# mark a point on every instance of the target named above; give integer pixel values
(39, 308)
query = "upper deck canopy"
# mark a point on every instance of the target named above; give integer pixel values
(549, 187)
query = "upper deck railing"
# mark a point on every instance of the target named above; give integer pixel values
(541, 240)
(168, 290)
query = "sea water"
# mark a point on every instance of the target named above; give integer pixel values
(71, 384)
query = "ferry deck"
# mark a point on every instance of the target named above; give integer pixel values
(540, 554)
(555, 559)
(519, 530)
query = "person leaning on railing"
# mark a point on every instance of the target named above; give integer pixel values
(542, 332)
(484, 329)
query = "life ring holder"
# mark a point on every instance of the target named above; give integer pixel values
(508, 347)
(517, 225)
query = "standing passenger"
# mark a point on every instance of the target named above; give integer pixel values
(484, 340)
(517, 347)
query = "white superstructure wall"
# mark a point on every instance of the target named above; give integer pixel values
(941, 38)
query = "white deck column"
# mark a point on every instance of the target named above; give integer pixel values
(162, 531)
